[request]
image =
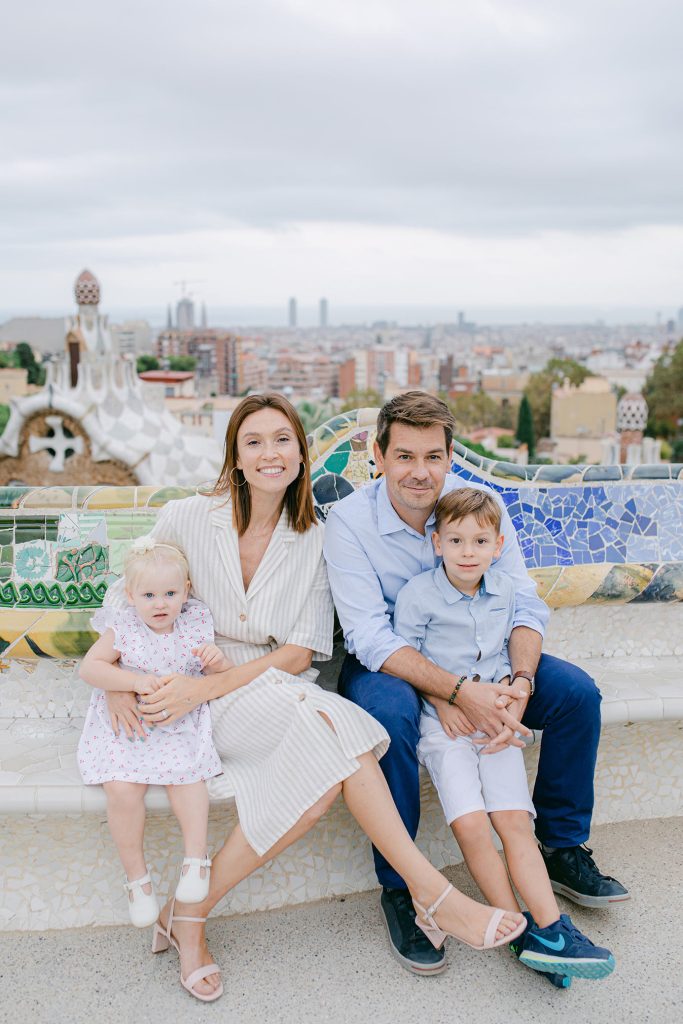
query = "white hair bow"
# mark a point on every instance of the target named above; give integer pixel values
(141, 545)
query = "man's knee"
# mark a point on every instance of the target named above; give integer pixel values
(568, 685)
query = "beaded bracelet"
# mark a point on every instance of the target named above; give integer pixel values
(456, 690)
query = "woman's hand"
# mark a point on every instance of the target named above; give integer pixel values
(177, 695)
(124, 713)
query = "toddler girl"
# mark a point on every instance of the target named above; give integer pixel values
(160, 633)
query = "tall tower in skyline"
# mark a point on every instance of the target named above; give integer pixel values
(292, 312)
(204, 316)
(323, 313)
(185, 314)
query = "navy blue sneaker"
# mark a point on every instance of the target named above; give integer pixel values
(562, 949)
(517, 945)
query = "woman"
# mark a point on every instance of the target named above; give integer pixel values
(288, 747)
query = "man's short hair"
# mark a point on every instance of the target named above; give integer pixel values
(415, 409)
(468, 501)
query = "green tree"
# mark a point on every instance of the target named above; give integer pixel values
(663, 392)
(147, 362)
(367, 399)
(183, 363)
(475, 410)
(25, 358)
(314, 414)
(7, 360)
(539, 389)
(4, 416)
(525, 426)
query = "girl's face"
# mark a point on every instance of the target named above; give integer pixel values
(158, 593)
(268, 451)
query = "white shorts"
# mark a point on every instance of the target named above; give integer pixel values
(467, 780)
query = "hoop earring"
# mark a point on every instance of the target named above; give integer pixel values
(232, 482)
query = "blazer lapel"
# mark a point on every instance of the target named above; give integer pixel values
(275, 554)
(225, 540)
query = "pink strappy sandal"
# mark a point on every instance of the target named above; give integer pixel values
(424, 919)
(162, 938)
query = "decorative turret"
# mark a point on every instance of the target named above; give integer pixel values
(87, 289)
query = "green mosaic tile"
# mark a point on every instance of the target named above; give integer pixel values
(77, 564)
(129, 524)
(6, 532)
(10, 497)
(29, 528)
(160, 497)
(336, 463)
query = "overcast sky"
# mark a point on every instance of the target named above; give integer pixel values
(374, 151)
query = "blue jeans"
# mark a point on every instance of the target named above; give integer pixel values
(566, 705)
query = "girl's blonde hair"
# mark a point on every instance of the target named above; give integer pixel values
(146, 553)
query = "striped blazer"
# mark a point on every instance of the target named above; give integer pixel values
(288, 599)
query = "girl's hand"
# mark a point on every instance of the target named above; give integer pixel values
(212, 659)
(124, 713)
(176, 696)
(147, 684)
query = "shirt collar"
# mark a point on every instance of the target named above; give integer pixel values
(388, 519)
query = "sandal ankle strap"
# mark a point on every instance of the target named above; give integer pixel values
(137, 883)
(430, 911)
(202, 862)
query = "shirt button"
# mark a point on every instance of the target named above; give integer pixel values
(243, 617)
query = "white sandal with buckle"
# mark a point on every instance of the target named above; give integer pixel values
(192, 887)
(143, 907)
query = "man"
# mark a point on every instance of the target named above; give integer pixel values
(375, 541)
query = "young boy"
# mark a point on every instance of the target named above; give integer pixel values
(460, 616)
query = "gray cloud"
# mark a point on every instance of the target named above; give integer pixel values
(492, 118)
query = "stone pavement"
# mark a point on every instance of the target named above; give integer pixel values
(329, 962)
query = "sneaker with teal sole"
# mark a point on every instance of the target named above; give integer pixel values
(562, 949)
(517, 945)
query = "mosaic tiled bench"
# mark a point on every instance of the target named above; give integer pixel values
(605, 545)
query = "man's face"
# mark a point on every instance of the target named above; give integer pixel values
(415, 466)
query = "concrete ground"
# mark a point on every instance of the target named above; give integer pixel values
(329, 962)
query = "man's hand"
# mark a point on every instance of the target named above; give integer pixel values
(490, 706)
(212, 659)
(516, 706)
(454, 722)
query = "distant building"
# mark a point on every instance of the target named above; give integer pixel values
(323, 313)
(44, 334)
(305, 374)
(184, 313)
(292, 318)
(13, 384)
(222, 364)
(580, 418)
(132, 337)
(175, 383)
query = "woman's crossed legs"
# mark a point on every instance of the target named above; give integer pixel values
(369, 800)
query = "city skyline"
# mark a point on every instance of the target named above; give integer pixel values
(377, 153)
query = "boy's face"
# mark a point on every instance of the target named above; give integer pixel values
(467, 550)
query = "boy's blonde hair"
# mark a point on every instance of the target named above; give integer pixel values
(146, 553)
(468, 501)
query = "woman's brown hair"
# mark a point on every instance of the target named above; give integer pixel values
(298, 498)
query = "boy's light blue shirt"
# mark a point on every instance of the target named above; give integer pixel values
(371, 553)
(465, 635)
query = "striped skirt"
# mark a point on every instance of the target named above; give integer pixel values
(280, 756)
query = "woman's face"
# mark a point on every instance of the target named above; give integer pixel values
(268, 451)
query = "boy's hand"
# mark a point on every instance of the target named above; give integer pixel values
(453, 721)
(212, 659)
(147, 684)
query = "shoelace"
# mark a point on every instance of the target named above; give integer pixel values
(583, 854)
(403, 901)
(574, 931)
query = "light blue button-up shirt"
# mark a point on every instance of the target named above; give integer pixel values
(371, 553)
(465, 635)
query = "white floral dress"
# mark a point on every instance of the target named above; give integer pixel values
(175, 754)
